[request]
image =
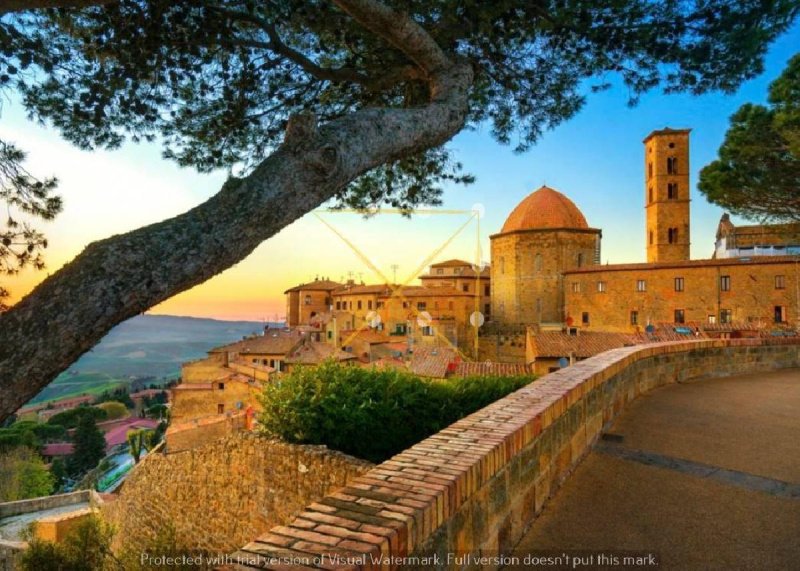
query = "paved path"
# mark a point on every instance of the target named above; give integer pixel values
(706, 475)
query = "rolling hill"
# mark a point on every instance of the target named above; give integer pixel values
(145, 346)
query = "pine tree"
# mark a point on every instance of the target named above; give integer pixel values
(90, 446)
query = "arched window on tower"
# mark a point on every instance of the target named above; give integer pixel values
(502, 265)
(672, 165)
(651, 194)
(672, 190)
(651, 236)
(650, 170)
(537, 262)
(672, 235)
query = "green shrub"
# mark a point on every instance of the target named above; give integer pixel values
(71, 418)
(114, 409)
(372, 414)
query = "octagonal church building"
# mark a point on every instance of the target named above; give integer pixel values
(542, 238)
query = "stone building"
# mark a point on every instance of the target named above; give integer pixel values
(305, 301)
(756, 240)
(543, 270)
(464, 277)
(544, 236)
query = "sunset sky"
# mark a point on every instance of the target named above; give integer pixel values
(595, 159)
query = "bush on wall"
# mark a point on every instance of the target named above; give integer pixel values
(370, 413)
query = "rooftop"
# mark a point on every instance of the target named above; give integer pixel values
(273, 342)
(545, 208)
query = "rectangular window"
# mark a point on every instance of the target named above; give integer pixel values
(601, 287)
(780, 282)
(725, 283)
(576, 287)
(712, 319)
(486, 290)
(679, 316)
(427, 331)
(439, 271)
(220, 408)
(725, 316)
(465, 287)
(678, 284)
(421, 305)
(405, 305)
(450, 304)
(641, 285)
(369, 304)
(330, 334)
(780, 314)
(487, 310)
(585, 318)
(338, 305)
(379, 304)
(349, 305)
(359, 304)
(634, 318)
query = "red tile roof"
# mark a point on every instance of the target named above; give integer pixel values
(316, 285)
(585, 344)
(316, 353)
(58, 449)
(432, 361)
(273, 342)
(545, 209)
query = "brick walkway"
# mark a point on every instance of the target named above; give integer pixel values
(705, 475)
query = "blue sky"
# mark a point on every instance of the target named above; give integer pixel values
(596, 159)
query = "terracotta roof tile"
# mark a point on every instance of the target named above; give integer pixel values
(273, 342)
(316, 353)
(482, 368)
(545, 208)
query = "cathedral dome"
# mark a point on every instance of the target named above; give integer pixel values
(545, 209)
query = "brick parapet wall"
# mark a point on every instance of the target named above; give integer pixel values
(477, 485)
(218, 496)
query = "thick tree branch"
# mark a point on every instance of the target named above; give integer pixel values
(399, 30)
(122, 276)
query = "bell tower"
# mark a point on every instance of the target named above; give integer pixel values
(666, 163)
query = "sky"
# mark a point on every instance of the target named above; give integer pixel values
(596, 159)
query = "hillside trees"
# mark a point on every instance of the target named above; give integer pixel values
(311, 101)
(757, 174)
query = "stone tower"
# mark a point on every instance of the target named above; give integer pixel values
(666, 163)
(543, 236)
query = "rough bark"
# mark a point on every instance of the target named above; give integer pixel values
(122, 276)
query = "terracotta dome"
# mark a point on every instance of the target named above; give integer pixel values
(545, 208)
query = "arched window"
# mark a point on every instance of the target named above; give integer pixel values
(537, 262)
(672, 190)
(579, 259)
(307, 300)
(672, 235)
(502, 265)
(650, 170)
(651, 194)
(672, 165)
(651, 236)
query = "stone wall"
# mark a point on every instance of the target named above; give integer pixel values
(221, 495)
(753, 293)
(476, 486)
(198, 432)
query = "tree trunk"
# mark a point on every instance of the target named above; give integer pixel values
(122, 276)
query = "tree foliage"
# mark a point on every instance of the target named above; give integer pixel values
(757, 174)
(86, 547)
(113, 409)
(339, 406)
(216, 81)
(23, 475)
(72, 417)
(90, 446)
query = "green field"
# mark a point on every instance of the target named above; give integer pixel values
(147, 346)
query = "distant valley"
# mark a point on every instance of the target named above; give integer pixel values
(145, 349)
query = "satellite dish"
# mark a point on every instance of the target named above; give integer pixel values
(563, 362)
(477, 319)
(424, 319)
(373, 319)
(650, 328)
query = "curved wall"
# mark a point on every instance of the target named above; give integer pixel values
(476, 486)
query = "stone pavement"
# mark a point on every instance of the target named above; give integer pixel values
(706, 475)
